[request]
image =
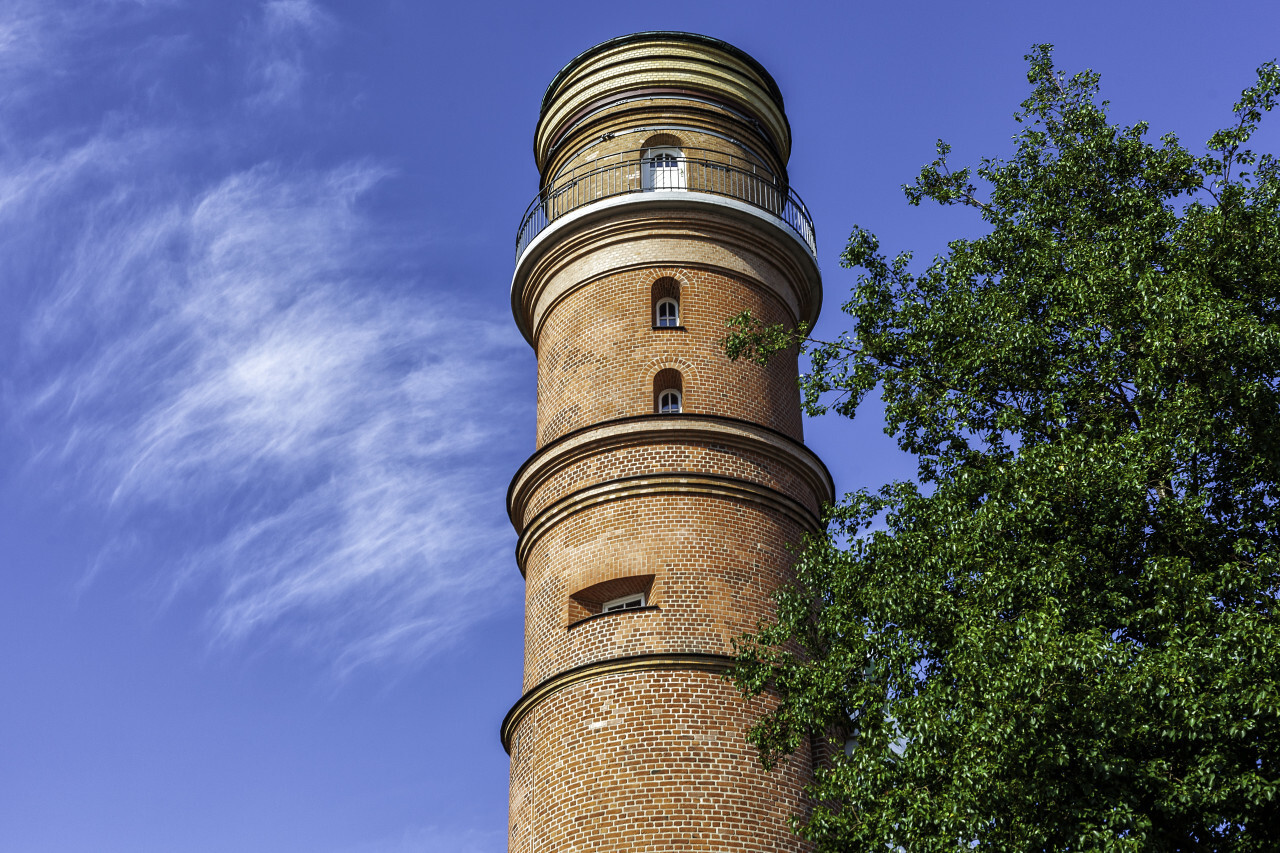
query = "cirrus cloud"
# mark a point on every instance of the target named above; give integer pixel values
(233, 370)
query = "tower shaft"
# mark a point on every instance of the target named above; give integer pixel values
(668, 481)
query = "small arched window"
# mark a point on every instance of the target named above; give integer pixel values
(668, 391)
(668, 312)
(665, 303)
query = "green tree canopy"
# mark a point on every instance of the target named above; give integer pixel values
(1064, 635)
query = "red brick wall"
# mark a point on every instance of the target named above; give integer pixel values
(648, 761)
(598, 353)
(715, 564)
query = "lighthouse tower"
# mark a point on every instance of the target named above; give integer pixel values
(667, 482)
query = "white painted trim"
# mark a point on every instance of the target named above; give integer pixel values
(620, 604)
(657, 312)
(648, 171)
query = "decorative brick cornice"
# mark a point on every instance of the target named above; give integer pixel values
(681, 483)
(598, 669)
(574, 447)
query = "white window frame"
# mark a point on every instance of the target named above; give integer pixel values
(662, 410)
(627, 602)
(657, 313)
(671, 177)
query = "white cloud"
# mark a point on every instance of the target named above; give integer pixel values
(42, 41)
(279, 38)
(217, 367)
(19, 35)
(333, 434)
(434, 839)
(287, 17)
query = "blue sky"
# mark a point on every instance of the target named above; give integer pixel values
(261, 392)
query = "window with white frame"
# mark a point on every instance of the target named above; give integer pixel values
(668, 313)
(668, 391)
(664, 169)
(627, 602)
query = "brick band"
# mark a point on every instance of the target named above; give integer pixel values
(597, 669)
(572, 448)
(666, 483)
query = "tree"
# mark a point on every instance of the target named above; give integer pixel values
(1064, 635)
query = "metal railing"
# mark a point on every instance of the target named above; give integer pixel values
(633, 172)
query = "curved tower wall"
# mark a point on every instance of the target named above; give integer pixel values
(627, 737)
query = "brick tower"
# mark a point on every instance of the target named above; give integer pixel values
(667, 481)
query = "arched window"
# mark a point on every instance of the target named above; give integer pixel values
(668, 313)
(668, 392)
(665, 303)
(664, 169)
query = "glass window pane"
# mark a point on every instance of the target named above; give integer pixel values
(667, 313)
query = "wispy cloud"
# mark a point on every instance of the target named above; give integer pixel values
(434, 839)
(226, 359)
(280, 36)
(236, 373)
(42, 41)
(21, 36)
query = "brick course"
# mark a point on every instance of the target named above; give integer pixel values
(674, 454)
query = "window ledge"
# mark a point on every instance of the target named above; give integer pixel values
(670, 329)
(645, 609)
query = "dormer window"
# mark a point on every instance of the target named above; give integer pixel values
(668, 313)
(627, 602)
